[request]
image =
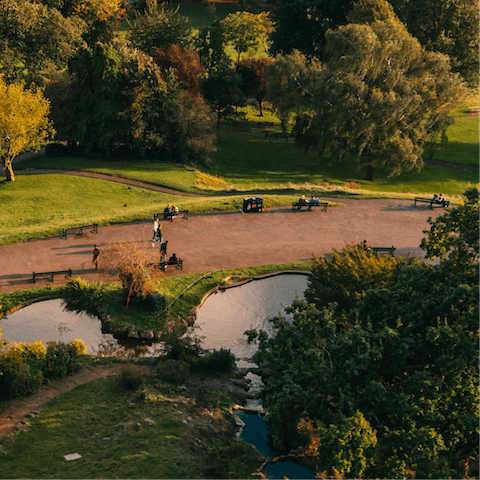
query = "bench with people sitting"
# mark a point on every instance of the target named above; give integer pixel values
(173, 260)
(435, 201)
(171, 212)
(309, 204)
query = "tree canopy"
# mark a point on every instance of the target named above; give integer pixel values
(122, 100)
(380, 95)
(388, 386)
(24, 122)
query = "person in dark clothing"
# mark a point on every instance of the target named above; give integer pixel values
(96, 253)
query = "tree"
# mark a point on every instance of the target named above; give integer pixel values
(449, 27)
(253, 72)
(290, 81)
(247, 31)
(185, 64)
(380, 95)
(220, 87)
(453, 237)
(122, 100)
(33, 37)
(211, 44)
(301, 25)
(24, 122)
(161, 27)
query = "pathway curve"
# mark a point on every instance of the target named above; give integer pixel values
(16, 416)
(104, 176)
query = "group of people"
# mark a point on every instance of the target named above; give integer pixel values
(437, 199)
(170, 212)
(314, 201)
(158, 237)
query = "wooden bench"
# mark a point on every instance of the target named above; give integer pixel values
(296, 206)
(170, 215)
(79, 230)
(51, 274)
(386, 250)
(443, 204)
(474, 109)
(178, 264)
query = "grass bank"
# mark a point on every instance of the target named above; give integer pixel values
(121, 433)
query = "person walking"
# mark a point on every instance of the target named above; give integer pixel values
(155, 229)
(96, 253)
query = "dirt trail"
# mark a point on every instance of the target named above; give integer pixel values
(16, 416)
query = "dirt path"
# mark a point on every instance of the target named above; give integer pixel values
(228, 240)
(16, 416)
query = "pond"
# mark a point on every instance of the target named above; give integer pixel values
(48, 320)
(226, 314)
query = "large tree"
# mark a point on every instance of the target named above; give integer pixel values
(253, 73)
(301, 24)
(290, 81)
(161, 27)
(121, 100)
(34, 36)
(246, 31)
(185, 64)
(449, 27)
(380, 95)
(24, 122)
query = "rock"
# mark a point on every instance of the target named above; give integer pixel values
(239, 422)
(242, 383)
(132, 334)
(147, 335)
(149, 421)
(72, 456)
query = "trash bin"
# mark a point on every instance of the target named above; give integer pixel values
(252, 204)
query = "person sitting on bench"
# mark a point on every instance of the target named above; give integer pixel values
(440, 199)
(173, 260)
(366, 246)
(166, 212)
(302, 200)
(314, 201)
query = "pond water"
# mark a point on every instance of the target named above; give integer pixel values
(226, 314)
(48, 320)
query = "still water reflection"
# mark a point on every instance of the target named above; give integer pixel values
(225, 315)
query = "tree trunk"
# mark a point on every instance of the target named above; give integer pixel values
(9, 172)
(261, 109)
(370, 169)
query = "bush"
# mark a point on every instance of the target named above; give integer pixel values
(213, 398)
(218, 361)
(173, 371)
(81, 296)
(153, 302)
(31, 350)
(17, 378)
(61, 360)
(79, 346)
(133, 376)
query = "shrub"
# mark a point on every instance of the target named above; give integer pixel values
(218, 361)
(353, 185)
(61, 360)
(35, 350)
(82, 296)
(133, 376)
(173, 371)
(79, 345)
(208, 397)
(17, 378)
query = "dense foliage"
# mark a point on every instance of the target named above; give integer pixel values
(121, 100)
(388, 387)
(382, 93)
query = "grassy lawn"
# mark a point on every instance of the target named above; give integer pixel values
(36, 206)
(462, 145)
(120, 435)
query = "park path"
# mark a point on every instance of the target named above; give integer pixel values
(16, 416)
(228, 240)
